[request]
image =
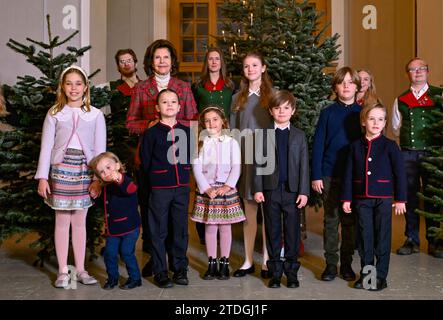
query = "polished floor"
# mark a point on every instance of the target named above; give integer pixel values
(415, 277)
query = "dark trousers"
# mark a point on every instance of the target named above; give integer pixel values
(333, 216)
(169, 206)
(282, 216)
(125, 245)
(375, 229)
(143, 196)
(414, 174)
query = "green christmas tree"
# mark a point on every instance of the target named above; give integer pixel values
(433, 165)
(296, 50)
(21, 209)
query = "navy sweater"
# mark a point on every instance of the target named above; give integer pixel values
(121, 207)
(159, 142)
(337, 127)
(282, 140)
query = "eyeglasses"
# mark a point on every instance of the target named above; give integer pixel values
(411, 70)
(127, 61)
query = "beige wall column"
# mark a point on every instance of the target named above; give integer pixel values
(339, 25)
(381, 39)
(98, 40)
(430, 37)
(128, 26)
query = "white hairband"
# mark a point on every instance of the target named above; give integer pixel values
(76, 68)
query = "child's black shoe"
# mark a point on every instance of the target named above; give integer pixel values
(110, 284)
(131, 284)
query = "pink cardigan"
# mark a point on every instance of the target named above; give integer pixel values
(219, 160)
(58, 130)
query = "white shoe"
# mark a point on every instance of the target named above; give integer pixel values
(84, 278)
(62, 281)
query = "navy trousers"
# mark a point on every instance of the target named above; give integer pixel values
(169, 207)
(125, 245)
(375, 225)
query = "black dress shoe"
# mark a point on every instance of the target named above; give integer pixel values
(293, 283)
(242, 272)
(131, 284)
(381, 284)
(181, 277)
(163, 281)
(409, 247)
(147, 269)
(359, 283)
(274, 283)
(330, 273)
(347, 273)
(110, 284)
(266, 274)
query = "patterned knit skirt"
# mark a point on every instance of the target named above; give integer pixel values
(220, 210)
(69, 182)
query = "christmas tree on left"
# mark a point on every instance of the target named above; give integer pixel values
(22, 210)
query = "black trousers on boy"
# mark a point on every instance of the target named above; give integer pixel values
(375, 222)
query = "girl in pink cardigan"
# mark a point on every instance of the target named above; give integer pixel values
(73, 133)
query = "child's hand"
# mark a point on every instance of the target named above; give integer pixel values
(400, 208)
(211, 193)
(347, 207)
(259, 197)
(317, 185)
(95, 189)
(221, 191)
(302, 200)
(116, 177)
(43, 188)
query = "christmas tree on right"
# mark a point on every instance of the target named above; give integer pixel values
(432, 195)
(297, 51)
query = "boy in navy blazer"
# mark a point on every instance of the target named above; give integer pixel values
(284, 190)
(374, 177)
(165, 155)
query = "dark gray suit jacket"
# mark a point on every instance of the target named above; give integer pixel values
(298, 163)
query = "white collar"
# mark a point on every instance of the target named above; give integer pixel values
(418, 93)
(251, 92)
(286, 127)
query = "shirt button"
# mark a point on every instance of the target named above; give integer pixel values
(369, 159)
(107, 202)
(410, 113)
(369, 173)
(413, 140)
(412, 133)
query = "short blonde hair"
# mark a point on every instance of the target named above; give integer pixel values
(110, 155)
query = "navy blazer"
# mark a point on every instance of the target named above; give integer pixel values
(298, 164)
(374, 169)
(121, 207)
(159, 142)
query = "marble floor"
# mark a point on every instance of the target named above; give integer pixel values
(415, 277)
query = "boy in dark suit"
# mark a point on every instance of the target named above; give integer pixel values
(282, 186)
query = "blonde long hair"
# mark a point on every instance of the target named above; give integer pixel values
(61, 95)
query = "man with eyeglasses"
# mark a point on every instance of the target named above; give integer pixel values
(123, 143)
(412, 116)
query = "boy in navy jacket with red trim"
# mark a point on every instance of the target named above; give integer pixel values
(374, 177)
(165, 155)
(122, 219)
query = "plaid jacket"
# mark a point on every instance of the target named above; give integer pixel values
(144, 98)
